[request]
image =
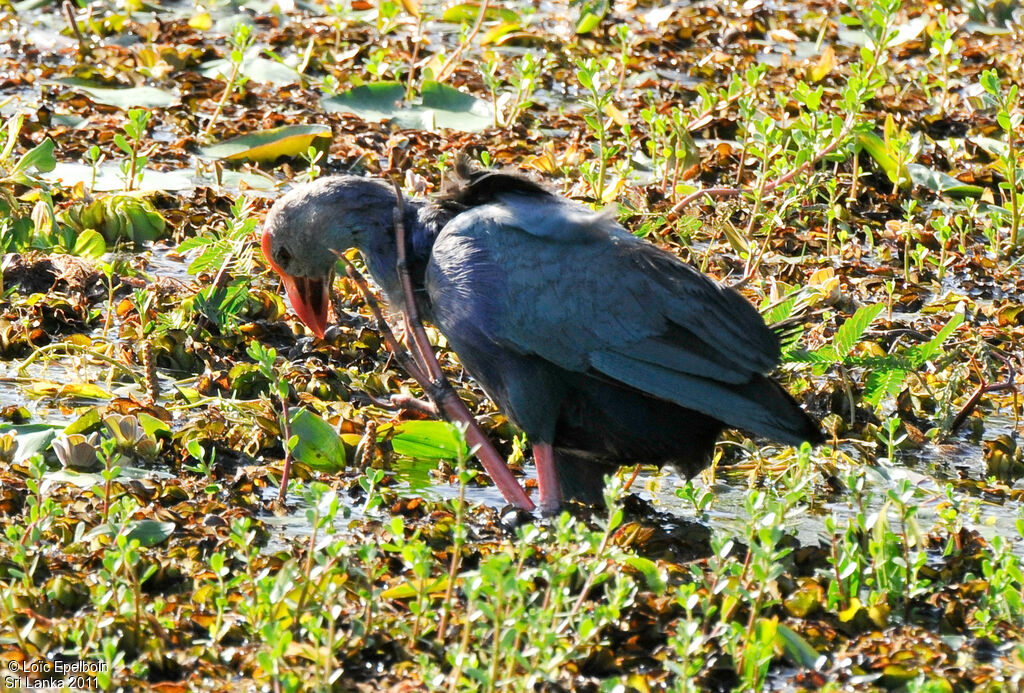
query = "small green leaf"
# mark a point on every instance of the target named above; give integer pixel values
(428, 440)
(928, 350)
(319, 444)
(90, 243)
(851, 331)
(39, 157)
(796, 649)
(939, 182)
(882, 383)
(467, 12)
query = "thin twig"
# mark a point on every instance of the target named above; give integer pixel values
(983, 389)
(449, 64)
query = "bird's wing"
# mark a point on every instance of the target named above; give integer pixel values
(574, 288)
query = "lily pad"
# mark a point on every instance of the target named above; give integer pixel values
(255, 68)
(267, 146)
(939, 182)
(148, 532)
(440, 106)
(123, 97)
(31, 438)
(372, 102)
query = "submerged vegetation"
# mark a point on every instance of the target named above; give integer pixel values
(857, 170)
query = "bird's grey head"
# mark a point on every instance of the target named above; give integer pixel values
(305, 228)
(330, 214)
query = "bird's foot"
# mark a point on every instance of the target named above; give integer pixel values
(415, 404)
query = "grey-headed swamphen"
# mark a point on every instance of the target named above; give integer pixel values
(604, 349)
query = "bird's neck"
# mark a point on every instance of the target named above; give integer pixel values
(423, 221)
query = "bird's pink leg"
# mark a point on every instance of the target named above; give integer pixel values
(547, 479)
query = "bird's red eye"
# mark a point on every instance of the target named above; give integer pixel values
(283, 256)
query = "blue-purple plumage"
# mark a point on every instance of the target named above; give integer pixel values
(590, 339)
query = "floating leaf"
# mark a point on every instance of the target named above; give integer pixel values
(371, 102)
(254, 67)
(267, 146)
(147, 532)
(440, 106)
(125, 97)
(467, 12)
(48, 388)
(455, 109)
(428, 440)
(31, 438)
(108, 178)
(939, 182)
(319, 445)
(412, 588)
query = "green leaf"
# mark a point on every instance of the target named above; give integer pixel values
(795, 647)
(649, 569)
(925, 352)
(850, 332)
(412, 588)
(150, 532)
(90, 243)
(147, 532)
(882, 383)
(31, 438)
(455, 109)
(591, 14)
(267, 146)
(124, 98)
(939, 182)
(256, 68)
(152, 425)
(87, 422)
(39, 157)
(428, 440)
(319, 444)
(372, 102)
(876, 147)
(467, 12)
(440, 106)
